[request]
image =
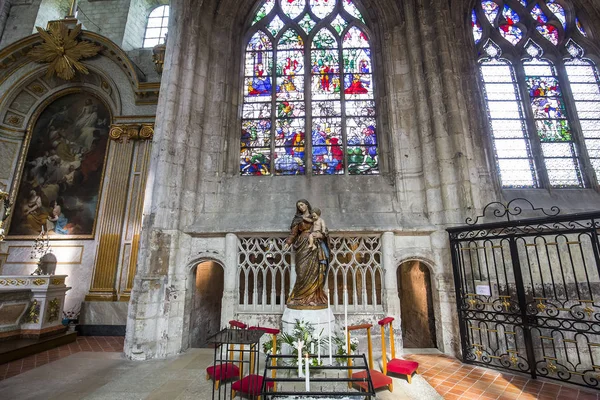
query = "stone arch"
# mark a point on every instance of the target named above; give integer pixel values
(418, 295)
(206, 278)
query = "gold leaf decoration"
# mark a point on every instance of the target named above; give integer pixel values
(62, 50)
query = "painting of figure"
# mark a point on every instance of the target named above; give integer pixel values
(61, 181)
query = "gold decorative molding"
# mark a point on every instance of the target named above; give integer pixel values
(33, 313)
(53, 310)
(13, 282)
(125, 132)
(58, 281)
(39, 282)
(62, 50)
(158, 57)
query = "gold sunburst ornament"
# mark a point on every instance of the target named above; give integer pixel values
(62, 50)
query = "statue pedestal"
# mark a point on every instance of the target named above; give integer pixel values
(317, 318)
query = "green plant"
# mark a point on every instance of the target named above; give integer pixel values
(305, 332)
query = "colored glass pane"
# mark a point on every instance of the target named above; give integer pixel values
(580, 27)
(326, 86)
(263, 11)
(256, 111)
(325, 61)
(293, 8)
(551, 123)
(290, 87)
(549, 32)
(523, 3)
(258, 66)
(585, 86)
(510, 15)
(289, 146)
(558, 11)
(352, 10)
(358, 86)
(355, 38)
(290, 40)
(256, 133)
(307, 23)
(507, 123)
(327, 146)
(357, 61)
(361, 108)
(255, 161)
(275, 26)
(339, 24)
(511, 33)
(538, 14)
(362, 146)
(490, 9)
(476, 26)
(327, 108)
(322, 8)
(290, 109)
(324, 39)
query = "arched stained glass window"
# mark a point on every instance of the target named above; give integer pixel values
(542, 94)
(308, 69)
(157, 27)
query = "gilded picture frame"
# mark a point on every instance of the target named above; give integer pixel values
(63, 159)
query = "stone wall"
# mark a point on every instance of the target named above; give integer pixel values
(51, 10)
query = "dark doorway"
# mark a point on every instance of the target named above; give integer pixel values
(416, 303)
(206, 311)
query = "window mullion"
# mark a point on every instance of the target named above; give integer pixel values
(534, 139)
(583, 158)
(308, 157)
(273, 103)
(343, 107)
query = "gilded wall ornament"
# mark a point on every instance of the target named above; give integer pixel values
(33, 313)
(39, 282)
(62, 50)
(131, 132)
(7, 207)
(53, 310)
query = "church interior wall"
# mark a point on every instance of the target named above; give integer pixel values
(50, 10)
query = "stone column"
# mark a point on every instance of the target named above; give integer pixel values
(391, 301)
(230, 292)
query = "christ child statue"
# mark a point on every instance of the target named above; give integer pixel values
(319, 229)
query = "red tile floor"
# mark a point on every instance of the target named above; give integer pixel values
(451, 378)
(83, 343)
(455, 380)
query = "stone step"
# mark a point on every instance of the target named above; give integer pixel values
(18, 348)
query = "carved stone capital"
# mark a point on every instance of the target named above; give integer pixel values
(125, 132)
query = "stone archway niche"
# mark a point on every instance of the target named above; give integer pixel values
(206, 311)
(416, 303)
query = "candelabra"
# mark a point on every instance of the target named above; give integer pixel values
(40, 248)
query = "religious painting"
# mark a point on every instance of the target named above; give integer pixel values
(63, 168)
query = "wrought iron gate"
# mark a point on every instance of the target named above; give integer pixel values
(527, 291)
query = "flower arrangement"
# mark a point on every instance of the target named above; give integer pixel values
(70, 317)
(305, 332)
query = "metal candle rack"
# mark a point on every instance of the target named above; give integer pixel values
(247, 342)
(286, 388)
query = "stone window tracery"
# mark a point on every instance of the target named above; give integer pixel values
(308, 69)
(542, 92)
(157, 26)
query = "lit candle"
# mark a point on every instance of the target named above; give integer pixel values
(329, 327)
(307, 376)
(346, 316)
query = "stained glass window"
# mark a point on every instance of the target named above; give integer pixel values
(309, 103)
(545, 126)
(157, 27)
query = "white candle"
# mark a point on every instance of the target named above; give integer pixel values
(300, 345)
(346, 316)
(307, 375)
(329, 327)
(312, 347)
(319, 345)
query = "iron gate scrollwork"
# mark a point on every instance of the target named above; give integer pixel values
(528, 292)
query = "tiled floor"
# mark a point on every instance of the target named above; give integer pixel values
(83, 343)
(455, 380)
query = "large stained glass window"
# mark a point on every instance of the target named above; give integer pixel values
(543, 107)
(309, 104)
